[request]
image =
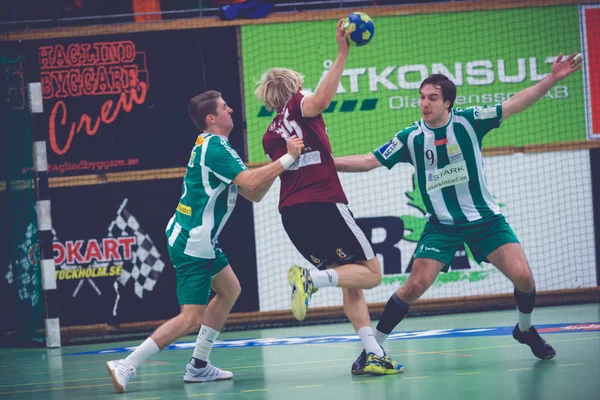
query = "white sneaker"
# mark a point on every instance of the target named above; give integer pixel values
(207, 374)
(121, 373)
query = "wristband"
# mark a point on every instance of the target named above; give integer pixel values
(287, 161)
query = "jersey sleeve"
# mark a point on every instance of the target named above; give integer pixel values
(394, 150)
(484, 118)
(222, 159)
(294, 105)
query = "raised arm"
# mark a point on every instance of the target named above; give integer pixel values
(362, 163)
(527, 97)
(318, 102)
(254, 184)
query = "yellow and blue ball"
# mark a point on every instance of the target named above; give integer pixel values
(362, 28)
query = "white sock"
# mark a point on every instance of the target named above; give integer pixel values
(368, 340)
(524, 321)
(204, 342)
(326, 278)
(142, 353)
(380, 337)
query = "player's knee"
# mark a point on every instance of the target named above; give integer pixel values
(375, 276)
(193, 321)
(522, 278)
(236, 290)
(414, 289)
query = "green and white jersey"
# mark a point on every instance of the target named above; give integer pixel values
(448, 164)
(207, 198)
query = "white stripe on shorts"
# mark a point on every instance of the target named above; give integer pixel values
(358, 233)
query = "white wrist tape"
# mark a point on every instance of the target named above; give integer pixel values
(286, 161)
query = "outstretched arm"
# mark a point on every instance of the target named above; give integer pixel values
(253, 185)
(362, 163)
(318, 102)
(527, 97)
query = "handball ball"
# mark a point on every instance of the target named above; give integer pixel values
(362, 28)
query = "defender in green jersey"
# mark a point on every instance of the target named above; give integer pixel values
(445, 149)
(209, 191)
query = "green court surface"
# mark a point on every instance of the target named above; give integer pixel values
(471, 362)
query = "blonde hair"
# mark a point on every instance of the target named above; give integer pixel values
(277, 86)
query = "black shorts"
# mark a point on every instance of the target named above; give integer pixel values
(326, 233)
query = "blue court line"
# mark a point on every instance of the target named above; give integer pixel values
(429, 334)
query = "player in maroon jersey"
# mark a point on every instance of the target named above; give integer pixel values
(314, 208)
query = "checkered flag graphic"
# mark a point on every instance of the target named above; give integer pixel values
(24, 269)
(145, 266)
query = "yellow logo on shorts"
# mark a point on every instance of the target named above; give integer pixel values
(187, 210)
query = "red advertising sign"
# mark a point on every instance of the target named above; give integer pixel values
(590, 17)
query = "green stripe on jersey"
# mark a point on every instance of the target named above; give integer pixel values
(208, 197)
(449, 164)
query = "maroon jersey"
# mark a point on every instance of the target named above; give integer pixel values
(313, 177)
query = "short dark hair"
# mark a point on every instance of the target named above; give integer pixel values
(202, 105)
(448, 87)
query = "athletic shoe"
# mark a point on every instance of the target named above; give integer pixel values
(302, 289)
(376, 365)
(121, 373)
(539, 347)
(358, 366)
(207, 374)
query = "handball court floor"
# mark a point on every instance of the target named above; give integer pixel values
(461, 356)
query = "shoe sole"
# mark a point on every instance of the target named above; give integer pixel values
(358, 372)
(207, 380)
(299, 297)
(548, 357)
(383, 371)
(116, 385)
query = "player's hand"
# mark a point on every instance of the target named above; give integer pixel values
(341, 36)
(563, 68)
(295, 146)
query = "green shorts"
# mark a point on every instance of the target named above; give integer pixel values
(194, 275)
(441, 242)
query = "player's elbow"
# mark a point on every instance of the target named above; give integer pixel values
(321, 105)
(251, 183)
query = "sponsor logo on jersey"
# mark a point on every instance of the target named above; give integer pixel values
(484, 112)
(187, 210)
(199, 140)
(306, 159)
(453, 149)
(391, 147)
(441, 142)
(232, 196)
(233, 153)
(450, 175)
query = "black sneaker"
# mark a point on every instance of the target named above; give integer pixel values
(540, 348)
(358, 366)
